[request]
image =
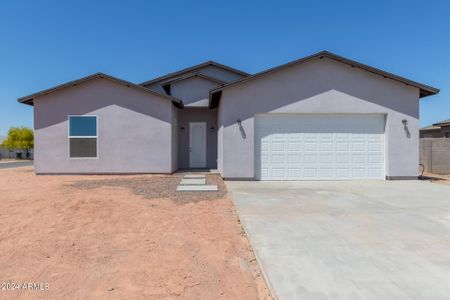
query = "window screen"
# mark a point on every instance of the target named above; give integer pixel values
(82, 136)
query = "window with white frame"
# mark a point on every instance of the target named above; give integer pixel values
(82, 136)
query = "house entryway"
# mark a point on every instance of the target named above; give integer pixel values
(196, 143)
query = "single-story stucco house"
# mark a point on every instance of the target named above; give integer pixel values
(321, 117)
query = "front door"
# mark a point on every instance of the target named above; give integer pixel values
(197, 145)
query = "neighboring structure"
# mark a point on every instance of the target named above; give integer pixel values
(321, 117)
(437, 130)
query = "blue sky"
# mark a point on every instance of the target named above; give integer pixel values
(45, 43)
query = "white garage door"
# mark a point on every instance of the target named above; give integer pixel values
(319, 147)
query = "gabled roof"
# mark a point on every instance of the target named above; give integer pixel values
(191, 75)
(425, 90)
(29, 99)
(193, 69)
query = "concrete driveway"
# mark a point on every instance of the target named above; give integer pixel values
(349, 240)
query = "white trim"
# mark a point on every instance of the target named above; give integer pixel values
(82, 137)
(190, 143)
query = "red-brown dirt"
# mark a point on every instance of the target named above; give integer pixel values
(122, 237)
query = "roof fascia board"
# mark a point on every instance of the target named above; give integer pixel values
(193, 68)
(174, 80)
(428, 89)
(29, 99)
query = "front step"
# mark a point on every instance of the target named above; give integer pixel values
(194, 176)
(197, 188)
(195, 183)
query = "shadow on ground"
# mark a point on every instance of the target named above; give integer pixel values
(157, 187)
(431, 178)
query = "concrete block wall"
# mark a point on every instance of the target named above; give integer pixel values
(435, 155)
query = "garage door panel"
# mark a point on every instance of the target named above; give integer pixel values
(358, 173)
(374, 158)
(342, 158)
(342, 146)
(326, 146)
(310, 158)
(294, 146)
(374, 172)
(278, 145)
(375, 146)
(359, 146)
(326, 158)
(343, 172)
(294, 158)
(310, 173)
(358, 159)
(264, 146)
(278, 173)
(319, 147)
(326, 173)
(278, 158)
(311, 146)
(294, 172)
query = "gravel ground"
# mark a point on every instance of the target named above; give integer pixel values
(157, 186)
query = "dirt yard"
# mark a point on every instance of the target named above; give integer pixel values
(121, 237)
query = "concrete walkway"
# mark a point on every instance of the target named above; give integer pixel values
(15, 164)
(349, 240)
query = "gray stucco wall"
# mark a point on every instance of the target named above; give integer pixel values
(134, 129)
(197, 115)
(156, 87)
(192, 90)
(319, 86)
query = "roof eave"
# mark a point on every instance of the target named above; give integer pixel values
(191, 75)
(425, 90)
(29, 100)
(192, 68)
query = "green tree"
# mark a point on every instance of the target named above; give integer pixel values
(20, 138)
